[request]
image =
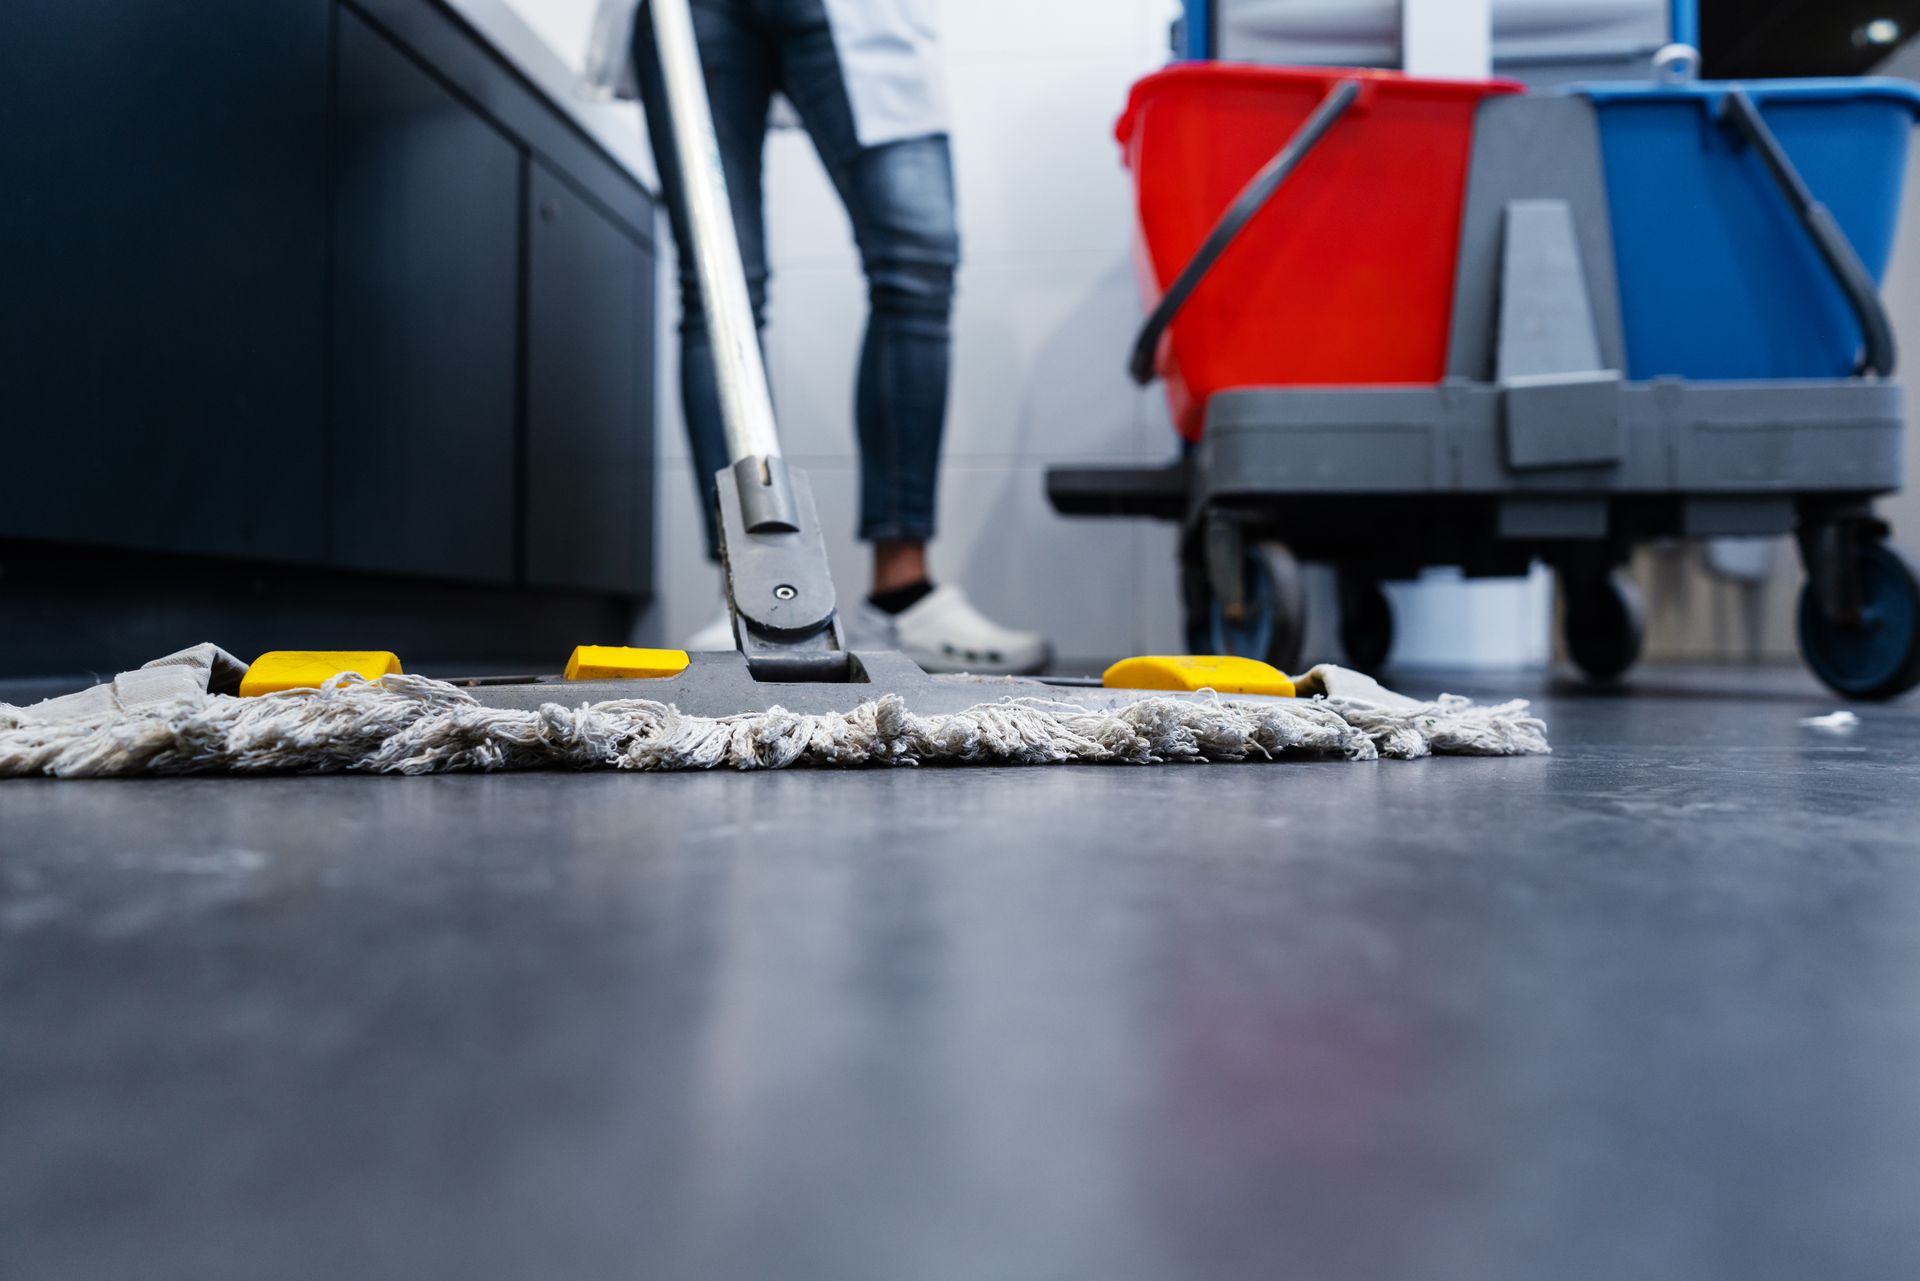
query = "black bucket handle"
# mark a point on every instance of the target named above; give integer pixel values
(1738, 110)
(1252, 199)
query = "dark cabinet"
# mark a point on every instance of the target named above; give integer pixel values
(162, 319)
(321, 319)
(425, 328)
(589, 387)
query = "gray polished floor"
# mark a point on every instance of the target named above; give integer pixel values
(1648, 1008)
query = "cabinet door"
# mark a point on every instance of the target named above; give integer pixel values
(589, 395)
(163, 306)
(426, 300)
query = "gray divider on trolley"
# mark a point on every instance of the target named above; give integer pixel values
(1530, 147)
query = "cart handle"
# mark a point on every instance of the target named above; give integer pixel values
(1252, 198)
(1863, 296)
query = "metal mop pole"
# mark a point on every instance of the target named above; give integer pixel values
(745, 404)
(778, 584)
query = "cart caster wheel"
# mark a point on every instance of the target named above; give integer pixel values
(1604, 625)
(1272, 624)
(1878, 656)
(1366, 623)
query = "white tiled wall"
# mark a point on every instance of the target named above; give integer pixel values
(1046, 313)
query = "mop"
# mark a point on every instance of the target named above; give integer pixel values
(185, 714)
(790, 694)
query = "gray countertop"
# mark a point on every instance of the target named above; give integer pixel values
(612, 125)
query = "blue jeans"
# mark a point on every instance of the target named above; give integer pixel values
(899, 197)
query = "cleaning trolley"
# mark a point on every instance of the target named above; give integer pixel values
(1407, 322)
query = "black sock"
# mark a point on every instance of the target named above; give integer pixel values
(898, 599)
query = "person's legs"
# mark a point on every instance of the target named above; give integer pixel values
(899, 563)
(899, 197)
(739, 58)
(910, 249)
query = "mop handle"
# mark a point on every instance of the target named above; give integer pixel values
(746, 406)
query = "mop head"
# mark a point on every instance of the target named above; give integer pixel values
(163, 719)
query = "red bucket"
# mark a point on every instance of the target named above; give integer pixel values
(1345, 277)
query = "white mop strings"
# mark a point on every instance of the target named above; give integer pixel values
(417, 725)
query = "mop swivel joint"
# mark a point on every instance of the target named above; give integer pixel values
(779, 588)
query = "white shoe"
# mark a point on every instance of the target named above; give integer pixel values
(716, 635)
(943, 632)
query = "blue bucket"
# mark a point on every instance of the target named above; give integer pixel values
(1718, 277)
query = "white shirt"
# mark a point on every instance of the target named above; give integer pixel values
(889, 53)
